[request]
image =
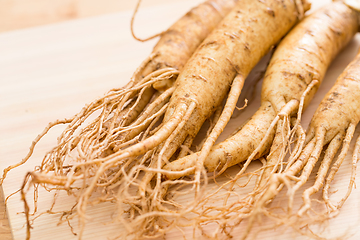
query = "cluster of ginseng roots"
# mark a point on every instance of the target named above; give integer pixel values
(87, 150)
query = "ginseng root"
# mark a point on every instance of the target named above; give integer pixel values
(292, 78)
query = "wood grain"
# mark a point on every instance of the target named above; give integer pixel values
(50, 72)
(20, 14)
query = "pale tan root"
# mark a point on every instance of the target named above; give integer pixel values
(161, 161)
(133, 151)
(213, 121)
(111, 129)
(132, 114)
(288, 108)
(274, 186)
(261, 196)
(83, 199)
(147, 127)
(224, 118)
(300, 133)
(172, 126)
(35, 141)
(220, 124)
(143, 121)
(136, 107)
(335, 167)
(280, 142)
(132, 26)
(67, 141)
(331, 150)
(165, 171)
(161, 157)
(262, 119)
(307, 166)
(355, 159)
(285, 111)
(67, 145)
(250, 206)
(307, 169)
(297, 129)
(154, 106)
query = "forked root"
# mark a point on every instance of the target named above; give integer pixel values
(336, 165)
(281, 142)
(89, 135)
(152, 195)
(296, 175)
(283, 137)
(325, 164)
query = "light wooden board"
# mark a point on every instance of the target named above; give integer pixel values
(50, 72)
(19, 14)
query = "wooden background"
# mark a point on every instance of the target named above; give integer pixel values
(83, 49)
(19, 14)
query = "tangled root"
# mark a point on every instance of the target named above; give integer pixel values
(95, 133)
(297, 174)
(144, 189)
(154, 209)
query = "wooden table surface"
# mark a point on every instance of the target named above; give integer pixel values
(50, 72)
(20, 14)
